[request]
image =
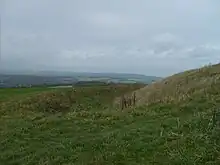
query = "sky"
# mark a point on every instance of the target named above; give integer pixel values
(151, 37)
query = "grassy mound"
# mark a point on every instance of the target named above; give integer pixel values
(182, 86)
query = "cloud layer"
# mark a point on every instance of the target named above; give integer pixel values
(142, 36)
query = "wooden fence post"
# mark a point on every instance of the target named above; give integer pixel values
(122, 102)
(129, 101)
(134, 99)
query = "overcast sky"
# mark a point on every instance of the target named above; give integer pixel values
(152, 37)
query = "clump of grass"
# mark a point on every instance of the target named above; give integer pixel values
(51, 102)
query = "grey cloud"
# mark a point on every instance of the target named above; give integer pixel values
(150, 37)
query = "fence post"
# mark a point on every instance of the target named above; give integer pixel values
(125, 102)
(122, 102)
(129, 101)
(134, 99)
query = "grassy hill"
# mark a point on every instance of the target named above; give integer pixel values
(182, 86)
(176, 122)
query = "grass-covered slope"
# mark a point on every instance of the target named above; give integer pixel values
(182, 86)
(173, 131)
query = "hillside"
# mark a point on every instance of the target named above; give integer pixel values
(182, 86)
(176, 122)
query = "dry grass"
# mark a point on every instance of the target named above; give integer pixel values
(179, 87)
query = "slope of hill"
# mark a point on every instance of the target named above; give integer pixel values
(181, 86)
(177, 121)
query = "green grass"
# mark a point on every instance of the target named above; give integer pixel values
(86, 129)
(160, 134)
(9, 93)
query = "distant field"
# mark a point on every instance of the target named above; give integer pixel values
(8, 93)
(53, 79)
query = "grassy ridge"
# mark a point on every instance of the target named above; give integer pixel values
(181, 86)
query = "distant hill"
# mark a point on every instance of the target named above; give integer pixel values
(14, 79)
(33, 80)
(100, 75)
